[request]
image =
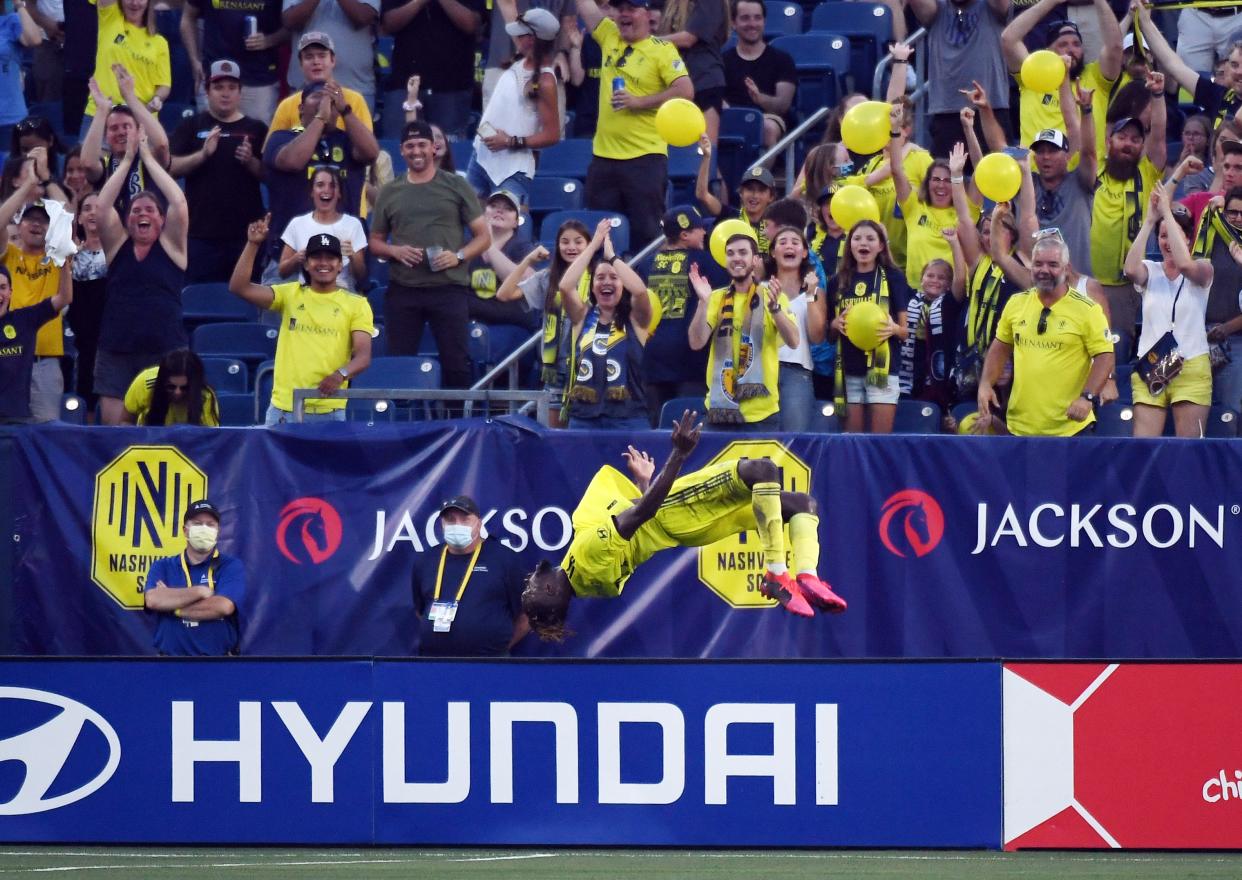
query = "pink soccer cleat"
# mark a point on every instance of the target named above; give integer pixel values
(819, 594)
(784, 590)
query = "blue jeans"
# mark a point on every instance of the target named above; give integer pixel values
(449, 110)
(797, 397)
(276, 416)
(1227, 381)
(518, 184)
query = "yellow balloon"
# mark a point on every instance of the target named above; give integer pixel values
(967, 425)
(853, 203)
(725, 230)
(1043, 71)
(866, 126)
(679, 122)
(862, 325)
(998, 176)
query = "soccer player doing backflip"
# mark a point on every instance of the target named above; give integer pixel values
(619, 524)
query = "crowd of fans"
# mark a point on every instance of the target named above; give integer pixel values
(1116, 250)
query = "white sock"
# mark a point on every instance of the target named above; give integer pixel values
(778, 568)
(809, 571)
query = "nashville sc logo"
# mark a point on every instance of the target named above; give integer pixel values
(911, 522)
(309, 531)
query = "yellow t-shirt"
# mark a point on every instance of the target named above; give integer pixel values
(287, 115)
(34, 281)
(648, 68)
(316, 338)
(924, 241)
(1042, 110)
(1116, 215)
(753, 409)
(915, 163)
(145, 56)
(138, 402)
(1049, 369)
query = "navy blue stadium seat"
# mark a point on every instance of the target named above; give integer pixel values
(824, 418)
(379, 341)
(173, 112)
(263, 378)
(461, 152)
(236, 410)
(503, 340)
(869, 26)
(1222, 422)
(672, 410)
(782, 18)
(741, 140)
(72, 409)
(683, 168)
(916, 417)
(478, 343)
(963, 409)
(252, 343)
(1125, 390)
(206, 303)
(567, 158)
(553, 221)
(375, 296)
(1114, 420)
(226, 375)
(547, 194)
(370, 412)
(821, 61)
(399, 372)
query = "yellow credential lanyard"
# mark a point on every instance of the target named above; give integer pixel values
(211, 580)
(465, 578)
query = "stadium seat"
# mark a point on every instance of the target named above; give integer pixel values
(672, 410)
(1114, 420)
(252, 343)
(73, 410)
(263, 378)
(207, 303)
(1222, 422)
(370, 412)
(478, 343)
(683, 169)
(553, 221)
(567, 158)
(916, 417)
(824, 418)
(869, 26)
(172, 113)
(375, 296)
(461, 152)
(226, 375)
(963, 409)
(549, 194)
(399, 372)
(782, 18)
(236, 410)
(821, 61)
(503, 340)
(1125, 391)
(741, 139)
(379, 341)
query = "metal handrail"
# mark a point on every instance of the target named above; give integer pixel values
(539, 397)
(786, 145)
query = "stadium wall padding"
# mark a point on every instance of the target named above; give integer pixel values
(943, 546)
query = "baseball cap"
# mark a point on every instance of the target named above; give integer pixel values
(1051, 136)
(540, 23)
(679, 219)
(224, 69)
(1058, 29)
(1127, 42)
(417, 129)
(641, 4)
(1124, 121)
(36, 206)
(758, 174)
(464, 503)
(322, 243)
(202, 506)
(507, 196)
(316, 38)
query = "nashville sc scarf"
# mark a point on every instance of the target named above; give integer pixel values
(739, 346)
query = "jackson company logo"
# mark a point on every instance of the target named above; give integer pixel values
(911, 523)
(309, 531)
(44, 750)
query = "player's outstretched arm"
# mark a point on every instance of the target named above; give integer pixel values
(685, 437)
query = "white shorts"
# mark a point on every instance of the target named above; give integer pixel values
(858, 391)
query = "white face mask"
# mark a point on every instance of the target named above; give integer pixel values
(202, 536)
(458, 535)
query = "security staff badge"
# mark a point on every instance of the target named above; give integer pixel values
(441, 615)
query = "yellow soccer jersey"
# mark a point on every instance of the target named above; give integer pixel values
(915, 164)
(316, 338)
(1116, 216)
(648, 68)
(1042, 110)
(138, 402)
(1050, 368)
(33, 280)
(924, 241)
(145, 56)
(288, 111)
(753, 409)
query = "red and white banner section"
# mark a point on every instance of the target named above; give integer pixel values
(1131, 755)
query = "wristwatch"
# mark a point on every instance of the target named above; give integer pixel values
(460, 255)
(344, 373)
(1089, 397)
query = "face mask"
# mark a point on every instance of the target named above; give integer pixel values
(458, 535)
(845, 168)
(201, 536)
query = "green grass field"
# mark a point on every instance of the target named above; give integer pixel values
(348, 864)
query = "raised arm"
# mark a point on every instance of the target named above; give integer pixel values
(1088, 158)
(64, 286)
(27, 187)
(1014, 270)
(92, 144)
(967, 117)
(710, 203)
(189, 38)
(1197, 271)
(156, 136)
(590, 13)
(1013, 47)
(177, 216)
(1110, 41)
(1133, 266)
(31, 34)
(685, 438)
(901, 63)
(700, 331)
(240, 284)
(1170, 62)
(959, 263)
(575, 308)
(1155, 146)
(641, 311)
(901, 183)
(111, 227)
(510, 287)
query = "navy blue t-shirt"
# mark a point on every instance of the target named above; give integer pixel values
(668, 356)
(855, 359)
(17, 353)
(492, 601)
(224, 36)
(178, 637)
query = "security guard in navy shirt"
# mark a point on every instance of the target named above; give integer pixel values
(196, 593)
(468, 594)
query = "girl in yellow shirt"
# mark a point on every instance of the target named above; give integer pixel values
(127, 36)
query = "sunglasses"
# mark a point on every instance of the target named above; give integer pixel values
(32, 123)
(1050, 232)
(625, 56)
(1042, 327)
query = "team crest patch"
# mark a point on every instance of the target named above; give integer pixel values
(860, 289)
(10, 332)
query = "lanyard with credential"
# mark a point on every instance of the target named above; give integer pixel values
(465, 578)
(211, 579)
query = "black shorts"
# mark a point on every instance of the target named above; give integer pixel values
(115, 371)
(710, 99)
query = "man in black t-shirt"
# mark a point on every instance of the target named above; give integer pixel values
(434, 39)
(468, 594)
(218, 154)
(758, 75)
(672, 368)
(18, 329)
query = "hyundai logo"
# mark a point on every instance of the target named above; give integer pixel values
(44, 750)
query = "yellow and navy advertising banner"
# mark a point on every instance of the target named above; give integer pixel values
(943, 546)
(627, 753)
